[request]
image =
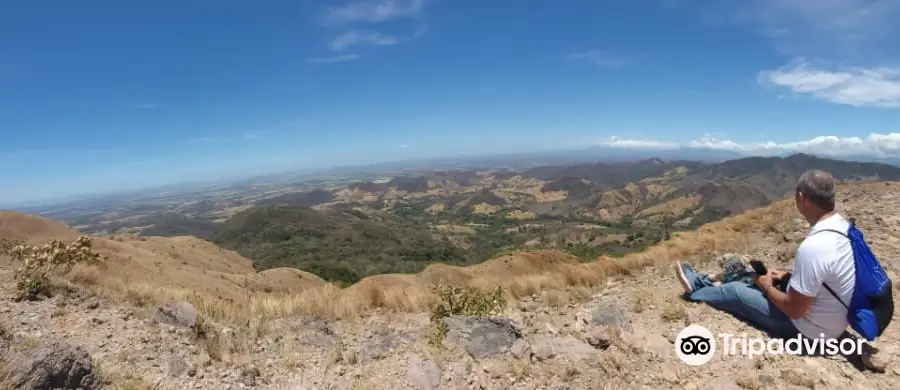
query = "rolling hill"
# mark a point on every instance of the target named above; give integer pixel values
(465, 216)
(604, 323)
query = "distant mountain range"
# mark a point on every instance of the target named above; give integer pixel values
(514, 161)
(401, 223)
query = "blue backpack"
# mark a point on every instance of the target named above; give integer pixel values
(872, 303)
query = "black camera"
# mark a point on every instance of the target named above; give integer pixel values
(759, 267)
(782, 284)
(694, 345)
(779, 284)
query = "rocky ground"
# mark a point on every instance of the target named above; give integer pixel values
(619, 335)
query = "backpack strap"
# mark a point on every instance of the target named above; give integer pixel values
(826, 284)
(835, 295)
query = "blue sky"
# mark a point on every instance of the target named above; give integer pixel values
(108, 95)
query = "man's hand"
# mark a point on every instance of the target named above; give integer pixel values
(777, 274)
(763, 281)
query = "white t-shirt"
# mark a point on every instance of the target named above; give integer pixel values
(824, 257)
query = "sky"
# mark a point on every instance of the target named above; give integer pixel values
(102, 95)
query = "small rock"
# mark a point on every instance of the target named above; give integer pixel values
(607, 314)
(582, 319)
(647, 341)
(669, 373)
(878, 361)
(177, 366)
(551, 329)
(724, 384)
(599, 337)
(5, 337)
(248, 376)
(520, 349)
(379, 345)
(92, 303)
(798, 377)
(204, 360)
(896, 370)
(176, 313)
(496, 368)
(423, 374)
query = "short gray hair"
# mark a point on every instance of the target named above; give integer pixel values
(817, 186)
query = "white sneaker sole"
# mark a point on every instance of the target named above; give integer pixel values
(683, 279)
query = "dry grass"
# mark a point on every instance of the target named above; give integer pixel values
(436, 208)
(114, 380)
(224, 288)
(6, 374)
(484, 208)
(673, 207)
(643, 300)
(674, 312)
(517, 186)
(227, 298)
(521, 215)
(454, 229)
(5, 368)
(34, 229)
(554, 298)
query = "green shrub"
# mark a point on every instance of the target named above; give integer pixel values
(455, 300)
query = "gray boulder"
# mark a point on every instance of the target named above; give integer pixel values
(547, 347)
(482, 336)
(56, 366)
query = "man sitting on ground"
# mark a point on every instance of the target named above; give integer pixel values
(806, 307)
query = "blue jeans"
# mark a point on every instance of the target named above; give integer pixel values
(741, 300)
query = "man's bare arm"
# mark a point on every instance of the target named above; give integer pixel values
(792, 303)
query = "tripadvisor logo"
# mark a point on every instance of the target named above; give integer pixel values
(696, 345)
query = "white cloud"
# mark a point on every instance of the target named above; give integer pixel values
(368, 13)
(627, 143)
(825, 28)
(855, 86)
(374, 11)
(599, 58)
(875, 144)
(404, 146)
(333, 59)
(357, 37)
(147, 106)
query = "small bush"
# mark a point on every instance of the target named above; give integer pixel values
(455, 300)
(6, 245)
(209, 338)
(39, 261)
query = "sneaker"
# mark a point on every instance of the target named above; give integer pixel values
(682, 278)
